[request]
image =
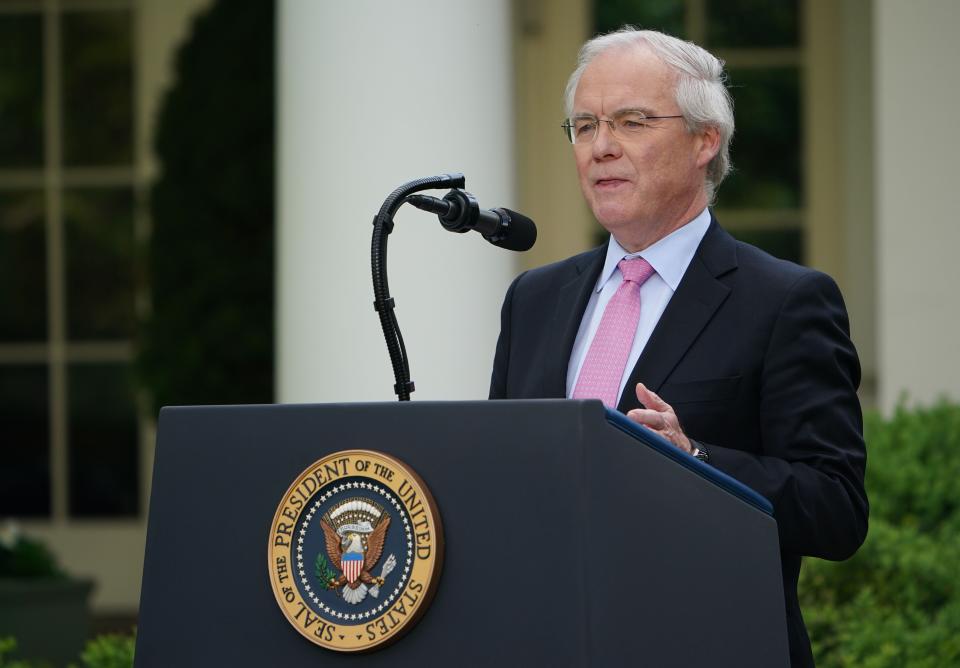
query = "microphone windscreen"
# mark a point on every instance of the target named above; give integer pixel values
(522, 232)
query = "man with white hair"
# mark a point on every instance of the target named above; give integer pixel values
(739, 359)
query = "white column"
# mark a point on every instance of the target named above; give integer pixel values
(918, 234)
(373, 94)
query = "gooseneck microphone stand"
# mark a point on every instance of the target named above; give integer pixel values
(382, 301)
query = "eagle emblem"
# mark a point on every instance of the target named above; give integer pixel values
(354, 531)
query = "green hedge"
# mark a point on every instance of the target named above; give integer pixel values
(896, 603)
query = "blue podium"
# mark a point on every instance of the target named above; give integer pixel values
(573, 538)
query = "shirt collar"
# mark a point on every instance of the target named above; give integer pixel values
(669, 257)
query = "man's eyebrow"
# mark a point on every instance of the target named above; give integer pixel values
(635, 110)
(624, 110)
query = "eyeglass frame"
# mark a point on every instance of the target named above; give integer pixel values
(568, 124)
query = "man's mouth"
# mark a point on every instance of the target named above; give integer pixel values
(609, 183)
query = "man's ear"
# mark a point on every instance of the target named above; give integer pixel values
(709, 145)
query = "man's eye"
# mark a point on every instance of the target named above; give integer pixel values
(584, 127)
(633, 122)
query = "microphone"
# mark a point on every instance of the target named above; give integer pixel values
(458, 211)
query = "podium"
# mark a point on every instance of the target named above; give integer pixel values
(573, 538)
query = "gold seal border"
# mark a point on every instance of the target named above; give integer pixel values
(412, 602)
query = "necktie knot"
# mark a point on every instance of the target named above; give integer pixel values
(635, 269)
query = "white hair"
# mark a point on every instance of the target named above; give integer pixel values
(700, 92)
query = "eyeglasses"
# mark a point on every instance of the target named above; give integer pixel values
(623, 125)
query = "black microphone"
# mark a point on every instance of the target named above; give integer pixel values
(458, 211)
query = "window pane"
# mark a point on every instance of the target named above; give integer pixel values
(784, 244)
(99, 252)
(25, 435)
(23, 267)
(103, 441)
(752, 23)
(97, 88)
(766, 145)
(663, 15)
(21, 90)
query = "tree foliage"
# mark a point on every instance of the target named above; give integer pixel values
(209, 335)
(896, 603)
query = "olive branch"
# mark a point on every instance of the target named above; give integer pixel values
(322, 570)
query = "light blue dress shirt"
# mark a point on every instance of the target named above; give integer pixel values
(669, 258)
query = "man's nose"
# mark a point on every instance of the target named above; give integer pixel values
(605, 145)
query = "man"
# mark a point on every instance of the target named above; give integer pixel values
(735, 357)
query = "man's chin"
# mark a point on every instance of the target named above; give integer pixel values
(613, 221)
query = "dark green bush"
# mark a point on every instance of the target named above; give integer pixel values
(26, 558)
(896, 603)
(209, 335)
(8, 646)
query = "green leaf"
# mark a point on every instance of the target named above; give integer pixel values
(322, 570)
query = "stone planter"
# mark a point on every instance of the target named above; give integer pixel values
(50, 618)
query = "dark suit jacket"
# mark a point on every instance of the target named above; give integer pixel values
(755, 357)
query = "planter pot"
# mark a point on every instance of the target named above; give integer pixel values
(50, 618)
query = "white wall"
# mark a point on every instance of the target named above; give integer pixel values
(373, 94)
(916, 52)
(857, 183)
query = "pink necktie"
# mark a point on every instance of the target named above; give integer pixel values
(603, 367)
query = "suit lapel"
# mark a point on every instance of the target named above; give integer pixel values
(697, 298)
(571, 302)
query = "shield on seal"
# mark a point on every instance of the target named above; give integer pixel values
(352, 565)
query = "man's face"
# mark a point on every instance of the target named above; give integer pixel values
(642, 188)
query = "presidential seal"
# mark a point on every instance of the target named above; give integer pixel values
(355, 551)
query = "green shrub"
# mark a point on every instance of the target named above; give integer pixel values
(897, 601)
(7, 646)
(109, 651)
(106, 651)
(22, 557)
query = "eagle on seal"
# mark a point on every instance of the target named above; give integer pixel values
(357, 551)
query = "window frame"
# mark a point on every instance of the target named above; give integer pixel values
(54, 179)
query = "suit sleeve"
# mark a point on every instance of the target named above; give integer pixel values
(501, 360)
(813, 455)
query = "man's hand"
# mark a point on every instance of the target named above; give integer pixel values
(658, 416)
